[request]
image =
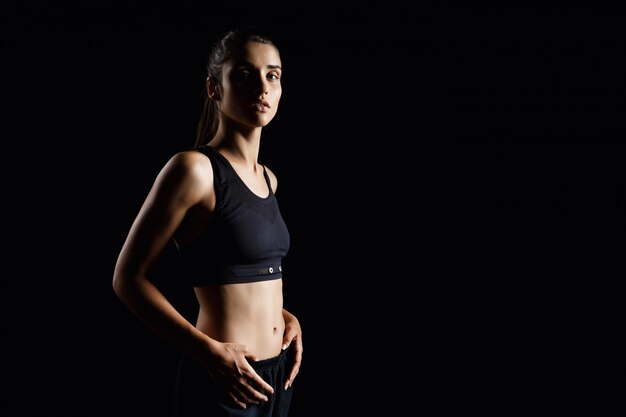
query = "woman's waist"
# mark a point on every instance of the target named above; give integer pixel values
(250, 314)
(262, 334)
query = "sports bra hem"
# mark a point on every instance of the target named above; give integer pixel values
(240, 280)
(237, 274)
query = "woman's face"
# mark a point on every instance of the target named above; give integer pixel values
(251, 87)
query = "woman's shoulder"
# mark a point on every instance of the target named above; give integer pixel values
(190, 158)
(190, 167)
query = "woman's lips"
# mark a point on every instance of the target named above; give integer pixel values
(262, 106)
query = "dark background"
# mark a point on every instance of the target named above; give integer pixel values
(452, 176)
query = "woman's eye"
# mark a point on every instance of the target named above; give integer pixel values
(273, 76)
(242, 75)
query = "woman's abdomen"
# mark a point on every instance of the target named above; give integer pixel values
(249, 314)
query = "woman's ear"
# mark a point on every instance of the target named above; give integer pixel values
(212, 89)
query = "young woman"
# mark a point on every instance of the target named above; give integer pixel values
(217, 203)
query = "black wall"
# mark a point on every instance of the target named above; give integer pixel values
(452, 176)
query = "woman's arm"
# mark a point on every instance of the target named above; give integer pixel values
(293, 334)
(178, 187)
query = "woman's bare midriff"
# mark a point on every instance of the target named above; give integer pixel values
(250, 314)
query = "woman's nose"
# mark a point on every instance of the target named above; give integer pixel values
(263, 86)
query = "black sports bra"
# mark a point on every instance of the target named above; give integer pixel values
(247, 237)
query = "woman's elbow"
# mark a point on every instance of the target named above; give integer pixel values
(121, 280)
(118, 284)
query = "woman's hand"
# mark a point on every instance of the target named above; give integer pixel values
(293, 335)
(234, 374)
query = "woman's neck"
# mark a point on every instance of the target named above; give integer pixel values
(239, 148)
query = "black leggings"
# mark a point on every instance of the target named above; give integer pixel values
(196, 395)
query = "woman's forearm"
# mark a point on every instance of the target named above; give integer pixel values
(149, 304)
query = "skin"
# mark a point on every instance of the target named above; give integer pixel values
(236, 323)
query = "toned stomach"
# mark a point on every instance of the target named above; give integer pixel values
(250, 314)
